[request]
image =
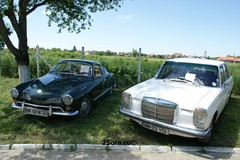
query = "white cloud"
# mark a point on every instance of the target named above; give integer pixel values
(126, 16)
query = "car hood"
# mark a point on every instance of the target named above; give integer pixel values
(186, 95)
(57, 84)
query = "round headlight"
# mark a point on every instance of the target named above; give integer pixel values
(14, 93)
(200, 118)
(67, 99)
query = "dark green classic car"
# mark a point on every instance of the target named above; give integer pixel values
(69, 89)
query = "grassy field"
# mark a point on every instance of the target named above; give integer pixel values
(104, 123)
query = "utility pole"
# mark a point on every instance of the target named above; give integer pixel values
(82, 53)
(139, 65)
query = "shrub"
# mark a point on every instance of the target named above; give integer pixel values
(124, 68)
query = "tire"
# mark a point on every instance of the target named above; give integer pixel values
(85, 106)
(206, 140)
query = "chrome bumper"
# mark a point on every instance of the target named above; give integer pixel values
(173, 129)
(61, 112)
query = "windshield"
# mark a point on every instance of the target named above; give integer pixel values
(205, 75)
(73, 67)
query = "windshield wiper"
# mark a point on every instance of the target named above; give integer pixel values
(181, 79)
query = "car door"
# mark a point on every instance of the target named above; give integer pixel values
(226, 86)
(99, 81)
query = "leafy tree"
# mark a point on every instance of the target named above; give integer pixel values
(108, 53)
(134, 52)
(74, 49)
(73, 15)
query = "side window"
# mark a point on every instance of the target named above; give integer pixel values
(227, 75)
(224, 73)
(97, 71)
(103, 70)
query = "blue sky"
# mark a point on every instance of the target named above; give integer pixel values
(190, 27)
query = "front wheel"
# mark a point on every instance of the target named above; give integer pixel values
(85, 106)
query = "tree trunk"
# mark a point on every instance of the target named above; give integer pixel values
(24, 73)
(22, 59)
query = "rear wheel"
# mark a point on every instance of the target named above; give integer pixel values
(85, 106)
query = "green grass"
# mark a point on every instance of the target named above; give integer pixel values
(104, 123)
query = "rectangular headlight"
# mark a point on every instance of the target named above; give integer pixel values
(126, 100)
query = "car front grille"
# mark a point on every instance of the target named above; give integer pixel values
(159, 109)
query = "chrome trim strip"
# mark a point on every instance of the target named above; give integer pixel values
(61, 113)
(102, 94)
(173, 129)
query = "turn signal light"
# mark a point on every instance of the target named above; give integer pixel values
(68, 108)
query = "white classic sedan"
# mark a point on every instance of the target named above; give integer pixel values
(185, 98)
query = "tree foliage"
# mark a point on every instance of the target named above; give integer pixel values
(68, 13)
(134, 52)
(1, 44)
(74, 49)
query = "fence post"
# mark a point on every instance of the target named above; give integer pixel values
(139, 65)
(38, 56)
(82, 53)
(38, 51)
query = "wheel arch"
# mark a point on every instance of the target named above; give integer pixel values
(215, 117)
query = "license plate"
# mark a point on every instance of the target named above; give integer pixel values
(155, 128)
(34, 111)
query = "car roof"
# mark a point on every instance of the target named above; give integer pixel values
(198, 61)
(80, 60)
